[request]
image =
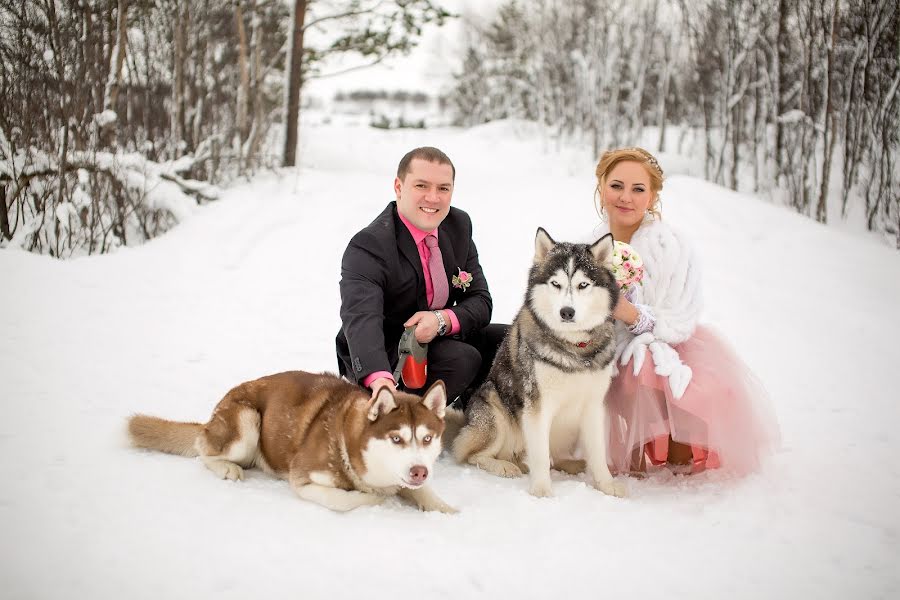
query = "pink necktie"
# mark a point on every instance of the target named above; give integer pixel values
(441, 291)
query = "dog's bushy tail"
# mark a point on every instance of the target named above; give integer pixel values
(172, 437)
(454, 421)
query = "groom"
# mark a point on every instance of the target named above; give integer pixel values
(416, 264)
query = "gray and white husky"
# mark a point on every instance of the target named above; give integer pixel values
(542, 404)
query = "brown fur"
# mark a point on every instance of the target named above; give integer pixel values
(295, 424)
(154, 433)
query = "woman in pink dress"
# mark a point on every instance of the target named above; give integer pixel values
(681, 397)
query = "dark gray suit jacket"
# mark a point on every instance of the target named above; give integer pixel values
(382, 285)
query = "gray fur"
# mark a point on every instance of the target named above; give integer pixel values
(532, 339)
(537, 339)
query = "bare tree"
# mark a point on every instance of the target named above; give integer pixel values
(294, 82)
(114, 81)
(808, 96)
(371, 29)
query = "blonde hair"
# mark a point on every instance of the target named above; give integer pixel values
(608, 161)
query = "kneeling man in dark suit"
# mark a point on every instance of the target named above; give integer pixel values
(416, 263)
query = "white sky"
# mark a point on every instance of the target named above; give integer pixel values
(427, 68)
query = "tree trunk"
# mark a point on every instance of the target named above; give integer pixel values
(295, 82)
(737, 134)
(178, 89)
(64, 115)
(828, 135)
(664, 93)
(243, 95)
(782, 56)
(199, 81)
(727, 90)
(258, 129)
(707, 132)
(118, 59)
(4, 215)
(107, 132)
(757, 112)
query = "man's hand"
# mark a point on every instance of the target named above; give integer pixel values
(426, 325)
(382, 382)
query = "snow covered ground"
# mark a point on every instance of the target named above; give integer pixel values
(248, 286)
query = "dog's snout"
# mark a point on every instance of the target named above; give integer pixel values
(418, 474)
(567, 313)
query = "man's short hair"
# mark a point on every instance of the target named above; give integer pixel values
(426, 153)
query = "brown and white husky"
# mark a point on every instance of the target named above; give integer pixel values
(334, 444)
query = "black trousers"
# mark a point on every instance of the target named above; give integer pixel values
(463, 363)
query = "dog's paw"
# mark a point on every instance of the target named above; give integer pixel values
(354, 499)
(572, 467)
(502, 468)
(225, 469)
(234, 472)
(440, 507)
(541, 489)
(611, 487)
(370, 499)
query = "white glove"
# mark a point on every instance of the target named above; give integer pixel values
(665, 358)
(667, 363)
(637, 349)
(679, 380)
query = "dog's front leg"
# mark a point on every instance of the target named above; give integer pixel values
(336, 498)
(594, 434)
(426, 499)
(536, 431)
(319, 488)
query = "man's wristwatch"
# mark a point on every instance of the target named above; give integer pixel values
(442, 324)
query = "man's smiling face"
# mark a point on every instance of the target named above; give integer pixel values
(423, 197)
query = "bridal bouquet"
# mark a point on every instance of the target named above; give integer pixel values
(628, 268)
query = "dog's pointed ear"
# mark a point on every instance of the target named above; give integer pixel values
(542, 244)
(382, 404)
(435, 399)
(602, 249)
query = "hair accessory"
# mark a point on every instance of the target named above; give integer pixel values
(650, 159)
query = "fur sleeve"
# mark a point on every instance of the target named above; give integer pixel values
(671, 283)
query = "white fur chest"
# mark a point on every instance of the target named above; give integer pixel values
(560, 388)
(563, 398)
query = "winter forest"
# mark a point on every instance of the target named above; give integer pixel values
(180, 179)
(119, 115)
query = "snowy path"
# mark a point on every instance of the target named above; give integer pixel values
(249, 287)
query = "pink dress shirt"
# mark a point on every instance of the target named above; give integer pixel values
(424, 254)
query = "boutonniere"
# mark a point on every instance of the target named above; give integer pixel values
(463, 280)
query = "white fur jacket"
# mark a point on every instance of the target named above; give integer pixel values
(671, 290)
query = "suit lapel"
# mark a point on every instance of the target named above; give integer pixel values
(449, 259)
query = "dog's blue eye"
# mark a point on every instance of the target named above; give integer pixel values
(427, 439)
(556, 285)
(396, 439)
(583, 285)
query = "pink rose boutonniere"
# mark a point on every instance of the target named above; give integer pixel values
(462, 280)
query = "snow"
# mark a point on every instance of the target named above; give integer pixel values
(106, 117)
(248, 286)
(792, 116)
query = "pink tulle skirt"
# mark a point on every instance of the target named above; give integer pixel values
(724, 414)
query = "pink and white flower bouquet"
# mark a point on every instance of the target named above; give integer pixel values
(627, 266)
